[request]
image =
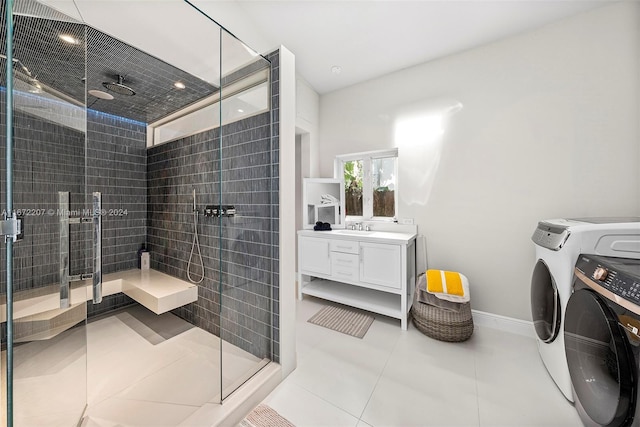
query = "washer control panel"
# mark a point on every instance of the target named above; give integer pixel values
(550, 236)
(621, 276)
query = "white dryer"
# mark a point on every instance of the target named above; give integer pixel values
(558, 244)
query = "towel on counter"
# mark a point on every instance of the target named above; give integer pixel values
(432, 300)
(448, 285)
(322, 226)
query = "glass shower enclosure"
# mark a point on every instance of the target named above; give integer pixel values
(115, 152)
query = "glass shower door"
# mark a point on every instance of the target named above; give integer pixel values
(44, 291)
(248, 163)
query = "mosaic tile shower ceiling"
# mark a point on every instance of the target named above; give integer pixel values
(43, 62)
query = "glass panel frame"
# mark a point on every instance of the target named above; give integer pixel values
(246, 177)
(45, 152)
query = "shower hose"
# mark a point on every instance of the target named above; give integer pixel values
(195, 244)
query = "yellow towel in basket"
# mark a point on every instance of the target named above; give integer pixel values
(448, 285)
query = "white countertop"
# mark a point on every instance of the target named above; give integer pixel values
(362, 236)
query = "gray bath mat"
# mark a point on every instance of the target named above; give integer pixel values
(350, 322)
(265, 416)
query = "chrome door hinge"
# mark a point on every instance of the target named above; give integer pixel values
(11, 227)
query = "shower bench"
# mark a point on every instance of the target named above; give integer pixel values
(156, 291)
(38, 315)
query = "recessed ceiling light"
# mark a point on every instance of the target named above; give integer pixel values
(336, 69)
(240, 110)
(179, 85)
(69, 39)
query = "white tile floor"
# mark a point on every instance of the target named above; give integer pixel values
(389, 378)
(134, 368)
(403, 378)
(132, 382)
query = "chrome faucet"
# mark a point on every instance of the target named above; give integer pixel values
(359, 226)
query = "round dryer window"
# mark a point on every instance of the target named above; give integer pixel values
(600, 365)
(545, 303)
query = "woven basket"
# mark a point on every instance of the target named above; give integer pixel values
(441, 324)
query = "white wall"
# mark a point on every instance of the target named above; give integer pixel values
(287, 223)
(548, 128)
(308, 123)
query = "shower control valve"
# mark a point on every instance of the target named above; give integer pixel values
(219, 210)
(211, 211)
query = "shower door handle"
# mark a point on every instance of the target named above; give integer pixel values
(63, 215)
(96, 220)
(97, 247)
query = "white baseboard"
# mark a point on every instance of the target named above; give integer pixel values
(503, 323)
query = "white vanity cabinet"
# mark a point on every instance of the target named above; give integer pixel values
(317, 260)
(374, 271)
(381, 264)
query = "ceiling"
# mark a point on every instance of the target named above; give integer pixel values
(368, 39)
(365, 38)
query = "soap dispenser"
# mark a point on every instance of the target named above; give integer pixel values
(143, 254)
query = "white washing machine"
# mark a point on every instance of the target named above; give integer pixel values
(558, 244)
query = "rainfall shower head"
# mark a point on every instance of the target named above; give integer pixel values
(119, 87)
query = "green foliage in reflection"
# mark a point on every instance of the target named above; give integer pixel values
(353, 175)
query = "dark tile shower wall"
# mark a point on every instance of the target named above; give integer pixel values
(247, 250)
(173, 171)
(117, 167)
(50, 157)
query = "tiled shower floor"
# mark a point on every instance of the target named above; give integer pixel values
(143, 370)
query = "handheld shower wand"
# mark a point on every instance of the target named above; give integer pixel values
(195, 244)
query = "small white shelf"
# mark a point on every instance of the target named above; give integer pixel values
(324, 212)
(355, 296)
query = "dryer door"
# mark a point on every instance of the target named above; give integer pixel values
(600, 360)
(545, 303)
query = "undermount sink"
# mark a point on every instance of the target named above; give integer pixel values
(355, 232)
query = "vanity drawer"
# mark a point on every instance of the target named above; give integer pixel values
(347, 246)
(345, 266)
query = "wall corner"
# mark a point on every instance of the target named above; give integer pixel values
(287, 132)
